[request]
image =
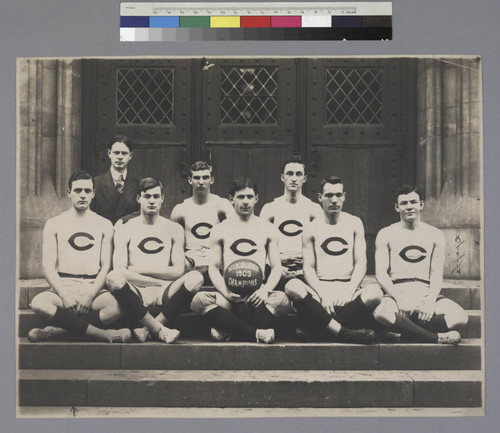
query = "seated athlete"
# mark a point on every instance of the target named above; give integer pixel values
(334, 251)
(77, 247)
(198, 214)
(243, 235)
(148, 267)
(290, 213)
(409, 262)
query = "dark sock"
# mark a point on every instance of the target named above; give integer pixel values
(352, 309)
(412, 331)
(130, 302)
(262, 318)
(178, 303)
(67, 320)
(312, 314)
(124, 322)
(437, 324)
(225, 320)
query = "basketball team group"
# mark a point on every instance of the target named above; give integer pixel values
(114, 254)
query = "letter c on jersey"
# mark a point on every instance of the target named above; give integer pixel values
(88, 246)
(201, 234)
(282, 228)
(413, 257)
(325, 246)
(235, 247)
(143, 247)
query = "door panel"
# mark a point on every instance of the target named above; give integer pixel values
(149, 101)
(354, 118)
(356, 130)
(249, 121)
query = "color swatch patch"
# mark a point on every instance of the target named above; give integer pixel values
(255, 21)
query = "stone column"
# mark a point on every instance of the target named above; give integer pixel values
(49, 110)
(449, 157)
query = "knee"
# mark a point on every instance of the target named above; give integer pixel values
(115, 280)
(37, 305)
(457, 319)
(203, 301)
(384, 314)
(372, 295)
(279, 304)
(295, 289)
(194, 281)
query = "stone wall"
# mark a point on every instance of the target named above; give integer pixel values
(449, 157)
(49, 148)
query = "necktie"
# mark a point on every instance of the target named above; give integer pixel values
(119, 184)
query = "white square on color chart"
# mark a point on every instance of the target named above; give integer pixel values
(316, 21)
(142, 34)
(127, 34)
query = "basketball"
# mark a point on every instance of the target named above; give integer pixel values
(243, 277)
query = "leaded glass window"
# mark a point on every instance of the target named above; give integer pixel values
(353, 96)
(145, 96)
(249, 95)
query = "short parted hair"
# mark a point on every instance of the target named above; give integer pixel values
(293, 159)
(242, 183)
(120, 139)
(148, 183)
(334, 180)
(407, 189)
(200, 165)
(79, 175)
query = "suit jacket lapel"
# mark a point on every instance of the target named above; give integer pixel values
(127, 196)
(109, 191)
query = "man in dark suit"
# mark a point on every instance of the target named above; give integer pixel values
(116, 190)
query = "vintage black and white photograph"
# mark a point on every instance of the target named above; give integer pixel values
(222, 236)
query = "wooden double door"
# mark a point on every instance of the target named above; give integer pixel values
(350, 117)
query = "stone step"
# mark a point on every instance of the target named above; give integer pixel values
(246, 412)
(249, 356)
(466, 293)
(250, 388)
(193, 326)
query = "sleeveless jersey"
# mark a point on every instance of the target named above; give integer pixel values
(79, 247)
(290, 219)
(410, 251)
(245, 243)
(334, 248)
(198, 222)
(150, 245)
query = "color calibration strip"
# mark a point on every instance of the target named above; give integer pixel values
(255, 21)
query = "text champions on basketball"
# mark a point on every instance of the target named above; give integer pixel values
(243, 269)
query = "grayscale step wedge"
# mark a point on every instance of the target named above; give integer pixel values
(250, 388)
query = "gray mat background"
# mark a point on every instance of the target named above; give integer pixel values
(91, 28)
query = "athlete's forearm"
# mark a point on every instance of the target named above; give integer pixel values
(217, 280)
(386, 283)
(99, 283)
(54, 280)
(358, 274)
(141, 279)
(313, 281)
(273, 279)
(168, 273)
(435, 285)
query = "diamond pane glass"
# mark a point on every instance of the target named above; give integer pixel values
(353, 96)
(145, 96)
(249, 95)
